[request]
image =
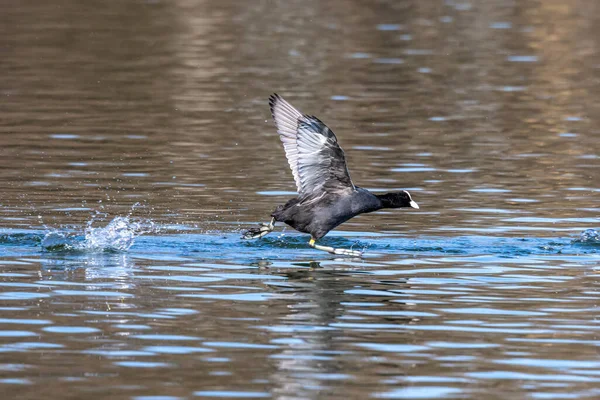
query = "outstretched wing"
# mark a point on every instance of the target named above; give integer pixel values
(286, 119)
(315, 157)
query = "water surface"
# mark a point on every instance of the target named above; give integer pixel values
(137, 145)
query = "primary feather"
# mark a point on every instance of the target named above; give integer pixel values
(311, 148)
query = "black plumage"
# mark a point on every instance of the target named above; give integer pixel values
(326, 195)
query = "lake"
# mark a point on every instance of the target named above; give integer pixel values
(137, 146)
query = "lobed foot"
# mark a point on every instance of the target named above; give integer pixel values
(346, 252)
(257, 233)
(343, 252)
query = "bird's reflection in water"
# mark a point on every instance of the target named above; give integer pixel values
(314, 354)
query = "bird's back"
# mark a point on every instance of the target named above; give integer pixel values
(321, 213)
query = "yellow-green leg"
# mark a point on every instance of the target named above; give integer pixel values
(344, 252)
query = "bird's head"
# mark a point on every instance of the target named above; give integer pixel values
(398, 200)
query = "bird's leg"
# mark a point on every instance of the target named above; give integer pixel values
(262, 230)
(344, 252)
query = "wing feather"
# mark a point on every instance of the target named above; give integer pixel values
(286, 119)
(317, 161)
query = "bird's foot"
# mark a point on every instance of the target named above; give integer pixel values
(342, 252)
(347, 252)
(257, 233)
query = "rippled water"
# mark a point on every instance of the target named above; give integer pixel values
(137, 145)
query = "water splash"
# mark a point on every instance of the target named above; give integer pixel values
(589, 236)
(118, 235)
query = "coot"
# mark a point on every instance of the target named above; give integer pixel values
(326, 195)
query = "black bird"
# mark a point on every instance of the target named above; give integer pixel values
(326, 195)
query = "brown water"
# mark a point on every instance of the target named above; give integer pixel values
(136, 144)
